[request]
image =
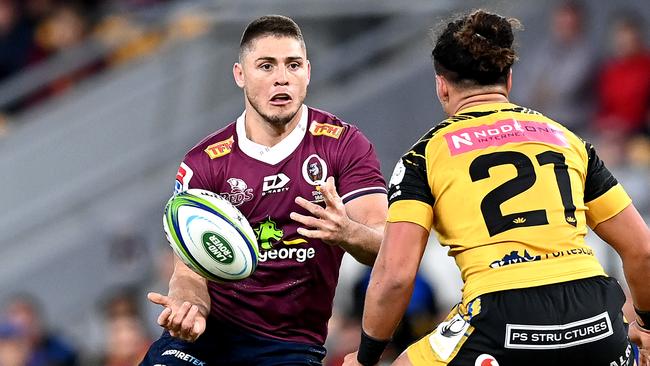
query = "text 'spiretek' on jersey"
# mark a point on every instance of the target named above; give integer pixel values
(508, 157)
(262, 182)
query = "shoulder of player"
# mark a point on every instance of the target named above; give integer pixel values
(434, 132)
(467, 119)
(218, 142)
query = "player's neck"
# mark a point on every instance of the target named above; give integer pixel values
(472, 100)
(264, 133)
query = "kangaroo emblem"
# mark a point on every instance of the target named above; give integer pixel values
(267, 232)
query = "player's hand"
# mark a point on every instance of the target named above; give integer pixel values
(330, 224)
(182, 319)
(641, 338)
(351, 360)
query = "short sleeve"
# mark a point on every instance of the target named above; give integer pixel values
(359, 169)
(189, 175)
(604, 196)
(409, 195)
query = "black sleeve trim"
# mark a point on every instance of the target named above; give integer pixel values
(599, 178)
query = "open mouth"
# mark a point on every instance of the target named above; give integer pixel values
(280, 99)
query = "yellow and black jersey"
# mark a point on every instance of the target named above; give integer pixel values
(511, 193)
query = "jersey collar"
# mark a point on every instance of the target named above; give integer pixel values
(278, 152)
(487, 107)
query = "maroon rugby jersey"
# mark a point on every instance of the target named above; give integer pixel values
(290, 294)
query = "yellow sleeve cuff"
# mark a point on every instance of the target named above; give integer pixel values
(607, 205)
(411, 211)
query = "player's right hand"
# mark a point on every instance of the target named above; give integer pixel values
(182, 319)
(641, 338)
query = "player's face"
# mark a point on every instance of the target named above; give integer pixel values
(274, 74)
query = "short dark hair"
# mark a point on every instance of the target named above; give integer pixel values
(476, 48)
(270, 25)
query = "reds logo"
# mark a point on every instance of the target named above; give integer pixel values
(325, 129)
(239, 192)
(220, 148)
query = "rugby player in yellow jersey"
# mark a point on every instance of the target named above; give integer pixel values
(511, 193)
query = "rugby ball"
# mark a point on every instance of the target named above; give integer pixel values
(210, 235)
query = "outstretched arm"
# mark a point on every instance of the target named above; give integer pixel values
(628, 234)
(186, 306)
(390, 288)
(356, 226)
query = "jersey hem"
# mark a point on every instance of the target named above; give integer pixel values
(257, 332)
(472, 294)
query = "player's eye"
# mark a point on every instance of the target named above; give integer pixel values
(294, 66)
(266, 67)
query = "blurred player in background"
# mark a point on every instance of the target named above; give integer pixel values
(311, 187)
(511, 192)
(46, 346)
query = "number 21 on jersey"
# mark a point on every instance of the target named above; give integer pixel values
(495, 220)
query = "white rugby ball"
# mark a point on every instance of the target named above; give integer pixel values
(210, 235)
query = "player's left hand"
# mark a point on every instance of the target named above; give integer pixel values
(351, 360)
(641, 338)
(330, 224)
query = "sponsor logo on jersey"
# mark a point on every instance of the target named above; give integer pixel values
(239, 192)
(314, 171)
(574, 251)
(486, 360)
(183, 177)
(525, 336)
(217, 247)
(298, 254)
(220, 148)
(269, 236)
(513, 258)
(501, 133)
(325, 129)
(275, 183)
(184, 356)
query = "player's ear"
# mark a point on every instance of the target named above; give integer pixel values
(509, 81)
(442, 90)
(238, 74)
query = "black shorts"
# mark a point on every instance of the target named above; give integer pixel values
(225, 344)
(571, 323)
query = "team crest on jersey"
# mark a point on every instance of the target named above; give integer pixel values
(220, 148)
(314, 171)
(239, 192)
(486, 360)
(325, 129)
(183, 177)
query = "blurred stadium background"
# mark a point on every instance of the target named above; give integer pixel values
(99, 100)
